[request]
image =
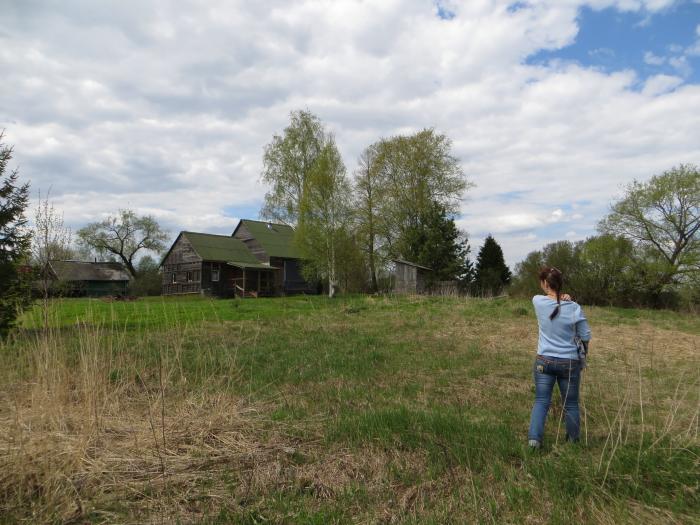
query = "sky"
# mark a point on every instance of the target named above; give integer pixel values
(552, 106)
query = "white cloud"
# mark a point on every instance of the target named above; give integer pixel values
(681, 65)
(660, 84)
(168, 111)
(653, 60)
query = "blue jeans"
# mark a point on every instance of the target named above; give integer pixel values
(567, 374)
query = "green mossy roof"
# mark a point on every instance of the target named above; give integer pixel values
(276, 239)
(89, 271)
(220, 248)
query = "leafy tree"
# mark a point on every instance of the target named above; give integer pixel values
(370, 192)
(605, 271)
(436, 242)
(598, 270)
(662, 217)
(124, 235)
(15, 241)
(492, 274)
(149, 279)
(324, 217)
(287, 163)
(561, 254)
(416, 171)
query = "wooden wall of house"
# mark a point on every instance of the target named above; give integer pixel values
(210, 287)
(288, 278)
(182, 262)
(243, 234)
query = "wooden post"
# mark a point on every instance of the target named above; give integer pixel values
(259, 272)
(244, 283)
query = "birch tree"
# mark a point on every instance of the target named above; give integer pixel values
(325, 216)
(370, 192)
(287, 163)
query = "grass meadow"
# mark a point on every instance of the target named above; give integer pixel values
(410, 410)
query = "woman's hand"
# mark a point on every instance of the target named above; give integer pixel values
(565, 297)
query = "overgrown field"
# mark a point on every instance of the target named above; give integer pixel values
(354, 410)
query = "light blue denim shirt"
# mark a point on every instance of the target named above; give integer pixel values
(557, 335)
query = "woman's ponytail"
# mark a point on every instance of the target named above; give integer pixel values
(554, 279)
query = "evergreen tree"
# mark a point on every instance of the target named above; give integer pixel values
(492, 274)
(434, 241)
(14, 243)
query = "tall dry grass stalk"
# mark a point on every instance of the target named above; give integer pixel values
(85, 427)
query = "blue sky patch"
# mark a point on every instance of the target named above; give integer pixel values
(650, 44)
(443, 12)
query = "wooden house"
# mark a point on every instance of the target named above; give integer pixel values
(217, 265)
(273, 244)
(409, 277)
(88, 279)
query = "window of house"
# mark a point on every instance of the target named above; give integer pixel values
(189, 277)
(215, 275)
(173, 278)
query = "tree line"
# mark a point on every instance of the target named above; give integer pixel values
(399, 203)
(647, 252)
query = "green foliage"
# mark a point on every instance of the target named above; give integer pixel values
(309, 189)
(435, 242)
(662, 218)
(323, 231)
(149, 280)
(370, 192)
(124, 235)
(648, 254)
(416, 171)
(492, 274)
(15, 243)
(287, 164)
(602, 270)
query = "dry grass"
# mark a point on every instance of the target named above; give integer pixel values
(77, 442)
(81, 443)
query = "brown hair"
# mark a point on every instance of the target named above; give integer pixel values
(555, 280)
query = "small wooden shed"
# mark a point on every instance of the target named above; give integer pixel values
(409, 277)
(91, 279)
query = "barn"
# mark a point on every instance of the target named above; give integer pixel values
(88, 279)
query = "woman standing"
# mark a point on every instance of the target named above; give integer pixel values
(561, 323)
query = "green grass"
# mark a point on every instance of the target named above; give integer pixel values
(412, 408)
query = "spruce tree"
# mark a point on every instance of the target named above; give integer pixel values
(14, 242)
(436, 242)
(492, 274)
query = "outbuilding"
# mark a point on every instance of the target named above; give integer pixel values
(409, 277)
(89, 279)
